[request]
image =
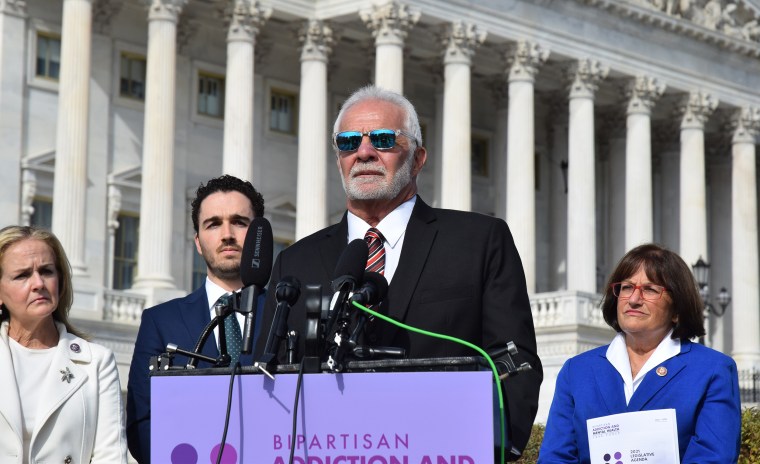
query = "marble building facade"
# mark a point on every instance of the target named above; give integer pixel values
(589, 125)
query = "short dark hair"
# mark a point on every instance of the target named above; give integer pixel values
(666, 268)
(226, 183)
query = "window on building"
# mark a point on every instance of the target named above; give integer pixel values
(282, 111)
(132, 76)
(125, 252)
(211, 95)
(48, 56)
(43, 213)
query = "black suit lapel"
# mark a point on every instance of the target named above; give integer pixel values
(418, 241)
(335, 241)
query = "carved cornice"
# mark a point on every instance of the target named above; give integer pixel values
(733, 25)
(695, 109)
(642, 93)
(14, 7)
(167, 10)
(186, 31)
(103, 11)
(390, 22)
(461, 41)
(584, 77)
(523, 60)
(245, 18)
(316, 38)
(745, 124)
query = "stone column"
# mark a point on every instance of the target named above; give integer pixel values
(461, 42)
(13, 57)
(557, 121)
(245, 18)
(114, 206)
(389, 24)
(642, 94)
(581, 191)
(500, 96)
(70, 185)
(524, 59)
(311, 198)
(154, 253)
(28, 191)
(744, 236)
(692, 239)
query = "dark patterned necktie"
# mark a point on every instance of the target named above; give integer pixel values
(376, 257)
(233, 335)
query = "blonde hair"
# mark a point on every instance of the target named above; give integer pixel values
(14, 234)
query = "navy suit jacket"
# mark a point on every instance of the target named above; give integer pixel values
(701, 384)
(459, 274)
(180, 321)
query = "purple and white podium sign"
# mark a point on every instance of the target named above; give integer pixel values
(352, 418)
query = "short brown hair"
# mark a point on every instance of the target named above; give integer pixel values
(666, 268)
(14, 234)
(226, 183)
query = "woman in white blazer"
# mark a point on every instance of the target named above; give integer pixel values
(61, 397)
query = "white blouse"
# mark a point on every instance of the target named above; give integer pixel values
(617, 355)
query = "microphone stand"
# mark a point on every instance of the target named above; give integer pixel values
(342, 339)
(314, 338)
(287, 292)
(222, 310)
(370, 352)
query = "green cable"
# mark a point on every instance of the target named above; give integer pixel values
(462, 342)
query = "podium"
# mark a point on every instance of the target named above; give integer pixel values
(422, 412)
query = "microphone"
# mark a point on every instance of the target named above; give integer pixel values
(373, 290)
(348, 273)
(286, 294)
(255, 269)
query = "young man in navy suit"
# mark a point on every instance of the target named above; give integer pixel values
(451, 272)
(222, 211)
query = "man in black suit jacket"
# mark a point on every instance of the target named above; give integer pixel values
(222, 211)
(452, 272)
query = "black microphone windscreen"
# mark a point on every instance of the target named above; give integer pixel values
(256, 260)
(288, 289)
(380, 283)
(351, 263)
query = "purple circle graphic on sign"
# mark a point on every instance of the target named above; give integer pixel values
(184, 453)
(607, 457)
(619, 462)
(228, 457)
(618, 455)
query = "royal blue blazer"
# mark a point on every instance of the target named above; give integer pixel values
(701, 384)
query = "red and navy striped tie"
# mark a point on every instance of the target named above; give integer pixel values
(376, 258)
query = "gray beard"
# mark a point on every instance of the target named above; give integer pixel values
(382, 190)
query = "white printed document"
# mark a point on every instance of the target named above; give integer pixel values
(634, 437)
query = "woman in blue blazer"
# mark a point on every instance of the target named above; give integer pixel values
(653, 302)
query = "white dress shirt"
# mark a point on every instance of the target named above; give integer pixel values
(393, 228)
(213, 293)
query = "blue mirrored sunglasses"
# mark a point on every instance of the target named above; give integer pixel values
(381, 139)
